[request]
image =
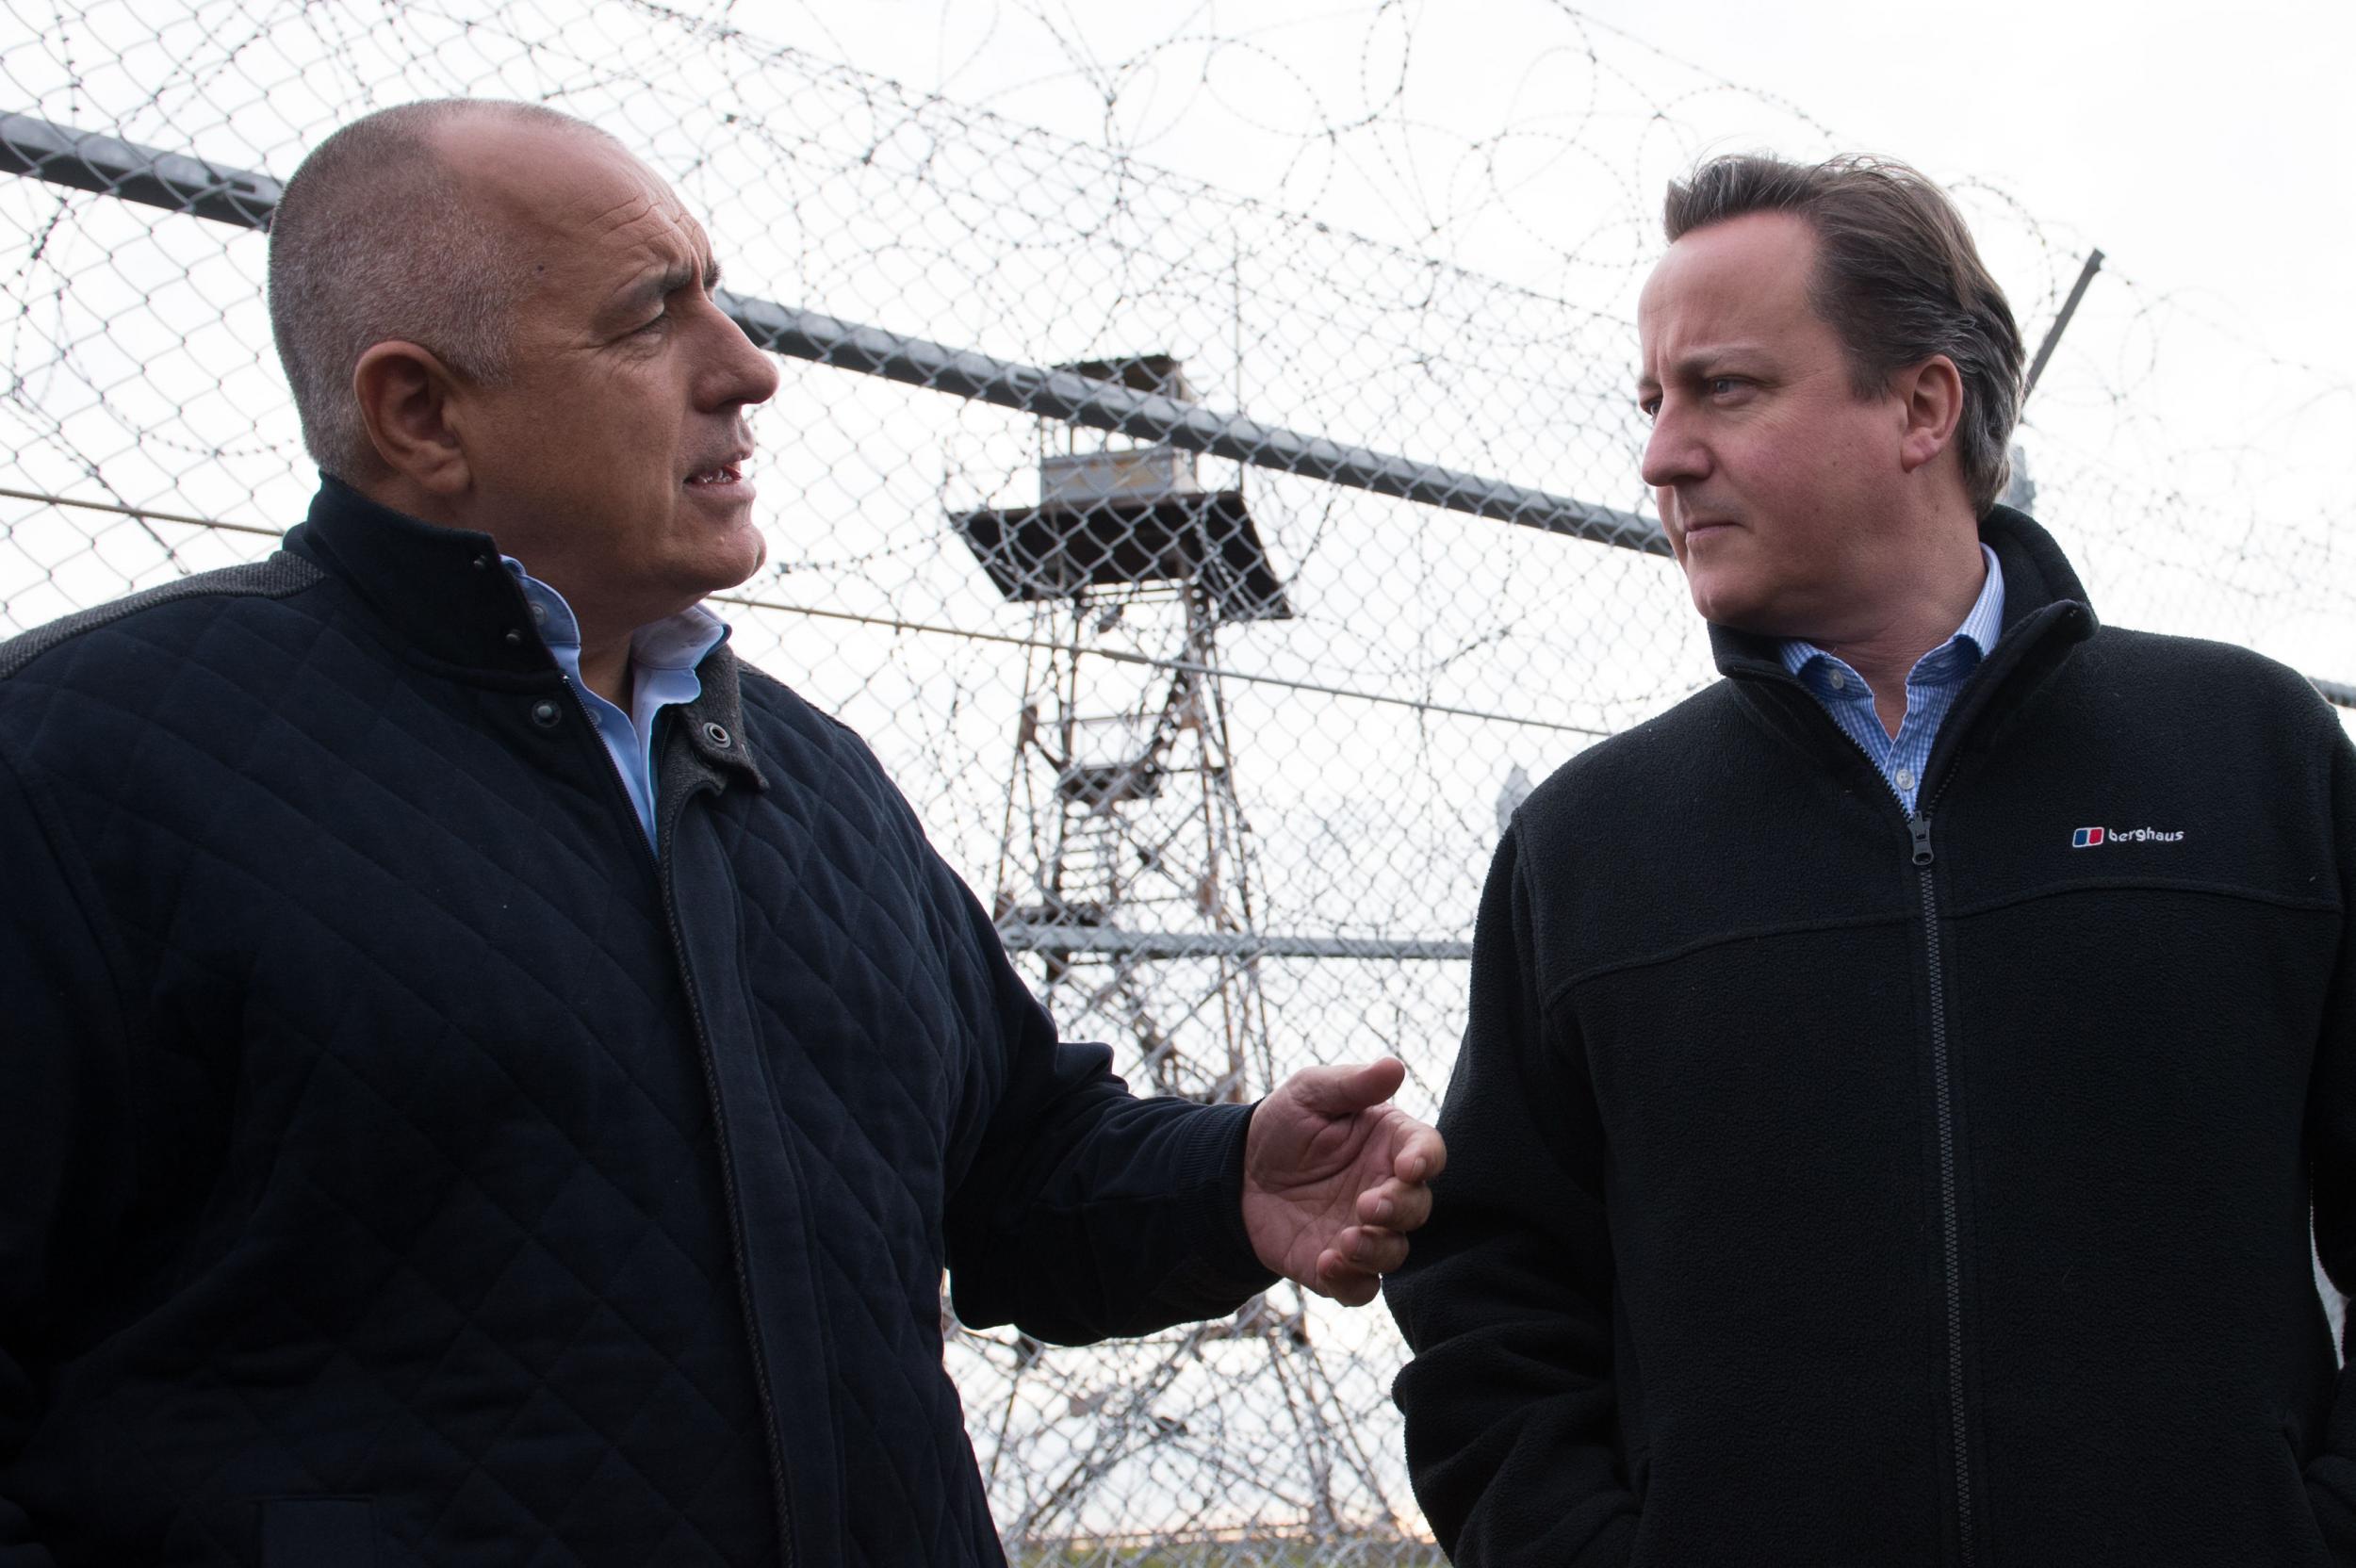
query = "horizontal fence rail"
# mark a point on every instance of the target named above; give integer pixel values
(1021, 937)
(87, 161)
(1220, 717)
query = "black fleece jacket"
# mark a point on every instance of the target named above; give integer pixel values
(1829, 1186)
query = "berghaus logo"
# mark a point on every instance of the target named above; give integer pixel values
(2094, 838)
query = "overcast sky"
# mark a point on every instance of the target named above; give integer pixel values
(2209, 157)
(2213, 161)
(2208, 153)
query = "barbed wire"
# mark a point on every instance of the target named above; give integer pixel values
(1224, 739)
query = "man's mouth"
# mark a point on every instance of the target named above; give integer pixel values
(724, 473)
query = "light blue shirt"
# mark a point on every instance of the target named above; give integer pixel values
(1932, 687)
(662, 658)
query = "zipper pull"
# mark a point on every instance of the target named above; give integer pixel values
(1919, 826)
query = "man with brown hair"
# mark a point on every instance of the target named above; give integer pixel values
(1898, 1076)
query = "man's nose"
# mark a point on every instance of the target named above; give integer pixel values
(1674, 454)
(739, 374)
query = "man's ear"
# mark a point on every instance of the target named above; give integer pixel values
(1932, 396)
(404, 394)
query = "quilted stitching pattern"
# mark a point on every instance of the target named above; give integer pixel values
(460, 1252)
(375, 1156)
(275, 578)
(843, 901)
(462, 1249)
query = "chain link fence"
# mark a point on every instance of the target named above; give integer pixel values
(1212, 581)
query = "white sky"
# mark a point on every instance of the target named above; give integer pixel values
(2212, 157)
(2206, 153)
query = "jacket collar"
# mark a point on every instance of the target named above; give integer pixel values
(2041, 594)
(2046, 616)
(712, 727)
(443, 592)
(440, 590)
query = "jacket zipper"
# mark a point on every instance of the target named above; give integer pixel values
(779, 1501)
(1944, 1112)
(1919, 826)
(2025, 638)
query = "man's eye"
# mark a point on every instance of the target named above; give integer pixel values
(661, 316)
(1648, 407)
(1720, 386)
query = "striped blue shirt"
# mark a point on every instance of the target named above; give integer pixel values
(1932, 686)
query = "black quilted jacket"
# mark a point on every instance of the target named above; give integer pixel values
(1832, 1188)
(399, 1166)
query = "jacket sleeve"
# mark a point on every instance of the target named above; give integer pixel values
(64, 1167)
(1084, 1211)
(1506, 1297)
(2332, 1144)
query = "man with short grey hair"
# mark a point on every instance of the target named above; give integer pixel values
(342, 279)
(489, 1078)
(1899, 1077)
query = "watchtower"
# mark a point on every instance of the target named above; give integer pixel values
(1126, 863)
(1124, 859)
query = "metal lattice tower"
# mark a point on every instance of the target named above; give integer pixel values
(1125, 859)
(1126, 863)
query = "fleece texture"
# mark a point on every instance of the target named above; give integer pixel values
(398, 1166)
(1831, 1186)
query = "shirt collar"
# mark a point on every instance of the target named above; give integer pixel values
(1987, 621)
(678, 642)
(1953, 659)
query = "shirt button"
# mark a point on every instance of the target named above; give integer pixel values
(1906, 779)
(1838, 682)
(544, 713)
(718, 736)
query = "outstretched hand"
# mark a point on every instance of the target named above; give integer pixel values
(1334, 1177)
